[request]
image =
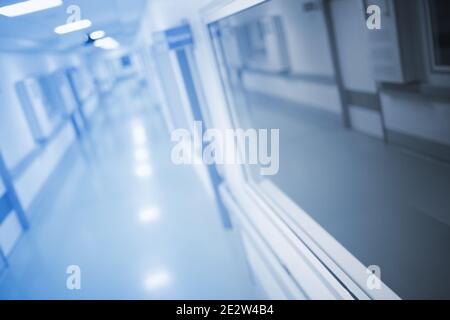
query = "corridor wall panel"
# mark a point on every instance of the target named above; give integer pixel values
(12, 118)
(2, 188)
(310, 76)
(305, 33)
(308, 93)
(32, 180)
(306, 36)
(353, 56)
(29, 163)
(367, 121)
(417, 116)
(10, 231)
(352, 45)
(13, 123)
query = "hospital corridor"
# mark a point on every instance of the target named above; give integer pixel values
(112, 213)
(225, 150)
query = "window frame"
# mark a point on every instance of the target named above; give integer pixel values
(434, 68)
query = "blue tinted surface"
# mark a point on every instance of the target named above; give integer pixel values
(137, 226)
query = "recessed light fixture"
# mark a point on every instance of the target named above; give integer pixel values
(74, 26)
(107, 43)
(26, 7)
(97, 35)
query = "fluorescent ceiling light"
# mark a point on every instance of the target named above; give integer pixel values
(26, 7)
(75, 26)
(107, 43)
(97, 34)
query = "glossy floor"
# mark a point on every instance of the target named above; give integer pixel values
(137, 226)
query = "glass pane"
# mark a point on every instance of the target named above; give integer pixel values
(387, 205)
(440, 21)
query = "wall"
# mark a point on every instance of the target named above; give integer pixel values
(418, 122)
(411, 119)
(352, 43)
(352, 47)
(2, 188)
(16, 141)
(311, 80)
(15, 67)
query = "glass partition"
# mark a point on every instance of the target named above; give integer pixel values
(386, 205)
(440, 26)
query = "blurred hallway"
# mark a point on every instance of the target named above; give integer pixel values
(138, 227)
(225, 149)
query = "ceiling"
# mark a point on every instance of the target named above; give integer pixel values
(119, 18)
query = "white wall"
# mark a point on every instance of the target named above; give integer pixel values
(306, 35)
(13, 68)
(31, 182)
(417, 116)
(16, 140)
(307, 93)
(352, 45)
(309, 54)
(366, 121)
(410, 114)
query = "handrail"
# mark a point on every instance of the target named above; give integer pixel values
(12, 195)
